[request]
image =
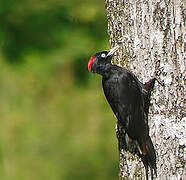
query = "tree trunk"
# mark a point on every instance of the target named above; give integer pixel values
(155, 38)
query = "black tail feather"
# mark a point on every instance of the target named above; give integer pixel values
(149, 159)
(151, 155)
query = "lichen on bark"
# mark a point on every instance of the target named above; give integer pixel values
(155, 37)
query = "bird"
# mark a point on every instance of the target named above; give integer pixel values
(129, 100)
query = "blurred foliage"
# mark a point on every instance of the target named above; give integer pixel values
(28, 26)
(55, 123)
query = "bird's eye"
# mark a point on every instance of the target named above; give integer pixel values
(103, 55)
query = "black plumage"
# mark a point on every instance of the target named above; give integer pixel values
(129, 100)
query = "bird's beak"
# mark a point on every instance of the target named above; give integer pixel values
(113, 50)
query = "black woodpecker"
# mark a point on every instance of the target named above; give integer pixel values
(129, 100)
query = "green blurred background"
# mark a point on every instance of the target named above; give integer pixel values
(55, 123)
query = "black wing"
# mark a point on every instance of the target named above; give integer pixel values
(128, 100)
(125, 97)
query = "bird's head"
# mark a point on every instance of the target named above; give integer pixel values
(98, 62)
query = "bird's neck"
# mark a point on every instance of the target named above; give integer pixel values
(105, 70)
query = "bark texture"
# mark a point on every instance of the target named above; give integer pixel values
(155, 38)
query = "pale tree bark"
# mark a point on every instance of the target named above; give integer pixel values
(155, 38)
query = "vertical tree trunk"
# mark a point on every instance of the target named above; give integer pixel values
(155, 37)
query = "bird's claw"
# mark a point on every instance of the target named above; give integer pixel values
(157, 75)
